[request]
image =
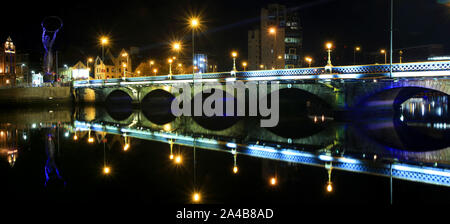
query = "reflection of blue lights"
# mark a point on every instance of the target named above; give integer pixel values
(325, 158)
(348, 160)
(262, 148)
(431, 171)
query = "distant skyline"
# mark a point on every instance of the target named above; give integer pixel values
(149, 25)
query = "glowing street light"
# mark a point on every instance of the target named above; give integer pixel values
(196, 197)
(176, 46)
(308, 60)
(244, 65)
(125, 66)
(106, 170)
(103, 41)
(170, 60)
(356, 49)
(383, 51)
(234, 54)
(273, 181)
(329, 45)
(155, 71)
(329, 186)
(273, 31)
(235, 169)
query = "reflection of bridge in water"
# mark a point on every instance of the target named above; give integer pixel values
(323, 150)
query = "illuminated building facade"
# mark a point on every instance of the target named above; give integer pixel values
(201, 63)
(8, 63)
(277, 43)
(113, 67)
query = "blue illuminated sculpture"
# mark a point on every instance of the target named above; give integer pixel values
(48, 42)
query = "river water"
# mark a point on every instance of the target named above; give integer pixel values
(125, 153)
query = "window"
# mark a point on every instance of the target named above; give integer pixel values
(292, 51)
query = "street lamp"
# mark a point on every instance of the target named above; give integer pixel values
(155, 71)
(103, 41)
(308, 60)
(234, 54)
(357, 49)
(170, 67)
(244, 65)
(124, 66)
(151, 64)
(89, 60)
(124, 70)
(329, 45)
(383, 51)
(194, 24)
(273, 31)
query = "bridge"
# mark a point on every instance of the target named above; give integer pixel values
(344, 88)
(282, 152)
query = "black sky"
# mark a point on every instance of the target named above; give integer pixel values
(150, 24)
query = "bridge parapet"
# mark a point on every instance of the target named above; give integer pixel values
(417, 69)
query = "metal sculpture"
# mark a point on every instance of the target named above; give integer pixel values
(48, 42)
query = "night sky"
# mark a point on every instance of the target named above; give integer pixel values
(150, 24)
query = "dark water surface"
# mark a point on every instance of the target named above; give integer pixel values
(46, 154)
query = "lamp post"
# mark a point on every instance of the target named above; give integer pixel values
(401, 54)
(151, 64)
(308, 60)
(125, 67)
(273, 31)
(329, 66)
(170, 67)
(103, 41)
(234, 54)
(89, 60)
(383, 51)
(194, 23)
(356, 49)
(244, 65)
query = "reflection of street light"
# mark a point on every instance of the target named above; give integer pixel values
(244, 65)
(357, 49)
(308, 60)
(89, 60)
(106, 170)
(383, 51)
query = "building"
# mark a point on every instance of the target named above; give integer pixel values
(22, 68)
(277, 43)
(114, 67)
(8, 63)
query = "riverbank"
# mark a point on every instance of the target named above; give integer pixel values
(37, 96)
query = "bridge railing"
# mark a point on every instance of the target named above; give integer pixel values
(296, 72)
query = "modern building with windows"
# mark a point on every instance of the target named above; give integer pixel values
(277, 43)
